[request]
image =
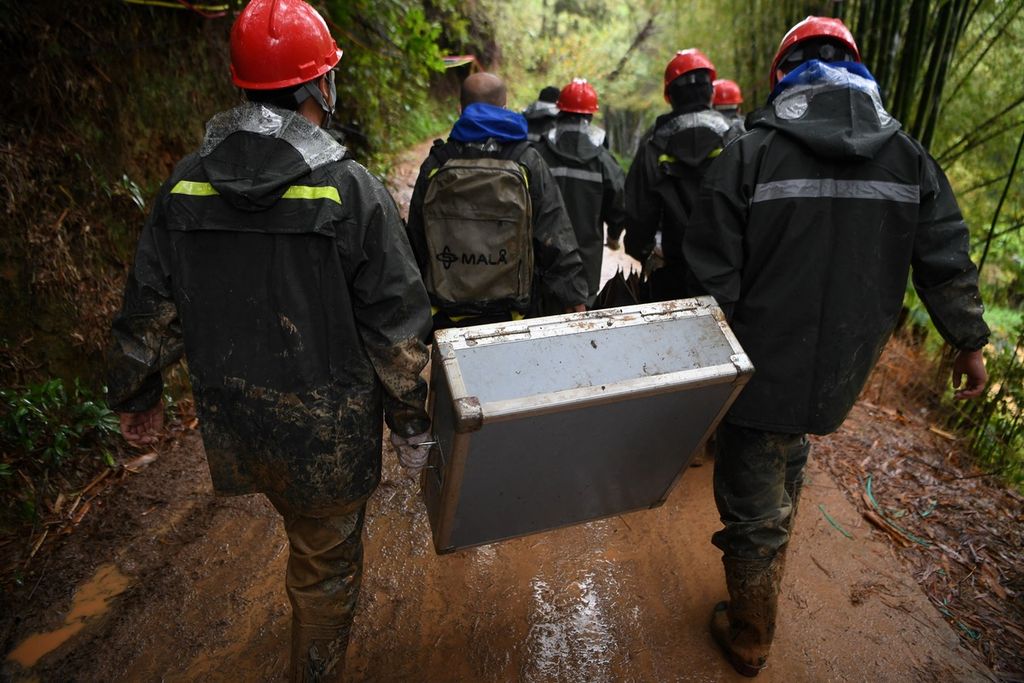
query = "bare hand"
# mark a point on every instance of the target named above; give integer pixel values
(139, 429)
(578, 308)
(971, 364)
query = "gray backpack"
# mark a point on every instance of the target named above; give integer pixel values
(478, 223)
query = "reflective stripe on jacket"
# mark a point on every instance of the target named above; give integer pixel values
(807, 228)
(281, 269)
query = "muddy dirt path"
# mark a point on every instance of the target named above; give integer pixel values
(168, 582)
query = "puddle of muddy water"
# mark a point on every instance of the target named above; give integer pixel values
(91, 601)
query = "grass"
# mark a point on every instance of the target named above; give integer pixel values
(432, 119)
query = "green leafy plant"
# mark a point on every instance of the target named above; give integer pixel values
(393, 50)
(50, 434)
(995, 424)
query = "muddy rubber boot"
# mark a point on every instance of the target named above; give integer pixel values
(318, 653)
(745, 626)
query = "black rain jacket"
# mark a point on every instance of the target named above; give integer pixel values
(807, 228)
(592, 185)
(281, 270)
(662, 184)
(558, 267)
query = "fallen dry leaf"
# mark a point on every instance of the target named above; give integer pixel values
(941, 432)
(81, 512)
(135, 465)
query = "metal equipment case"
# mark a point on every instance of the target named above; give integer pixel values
(548, 422)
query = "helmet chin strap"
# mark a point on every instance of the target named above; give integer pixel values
(311, 89)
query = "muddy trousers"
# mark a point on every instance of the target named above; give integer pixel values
(758, 477)
(325, 569)
(757, 474)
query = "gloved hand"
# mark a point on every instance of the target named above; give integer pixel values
(411, 454)
(614, 245)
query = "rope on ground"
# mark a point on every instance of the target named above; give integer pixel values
(834, 523)
(879, 519)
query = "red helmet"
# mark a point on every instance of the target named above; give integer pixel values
(684, 62)
(727, 93)
(813, 27)
(280, 43)
(579, 97)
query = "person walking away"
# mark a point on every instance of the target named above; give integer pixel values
(591, 181)
(486, 220)
(806, 231)
(540, 115)
(279, 267)
(670, 161)
(727, 99)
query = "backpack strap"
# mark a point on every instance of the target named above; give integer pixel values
(442, 151)
(514, 151)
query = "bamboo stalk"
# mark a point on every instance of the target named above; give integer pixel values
(939, 51)
(910, 60)
(999, 206)
(971, 143)
(959, 10)
(1003, 27)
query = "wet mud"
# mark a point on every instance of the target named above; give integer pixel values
(92, 600)
(622, 599)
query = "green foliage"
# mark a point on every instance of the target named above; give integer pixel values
(109, 97)
(621, 48)
(995, 423)
(392, 51)
(431, 119)
(50, 432)
(1003, 322)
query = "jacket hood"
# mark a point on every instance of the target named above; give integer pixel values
(835, 109)
(579, 141)
(253, 153)
(690, 136)
(480, 121)
(540, 110)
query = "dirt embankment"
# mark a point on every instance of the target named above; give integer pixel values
(188, 586)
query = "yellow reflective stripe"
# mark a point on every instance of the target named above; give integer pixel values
(434, 310)
(312, 192)
(667, 159)
(433, 172)
(193, 189)
(526, 176)
(715, 153)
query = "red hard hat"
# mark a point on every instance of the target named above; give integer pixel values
(727, 93)
(579, 97)
(813, 27)
(280, 43)
(684, 62)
